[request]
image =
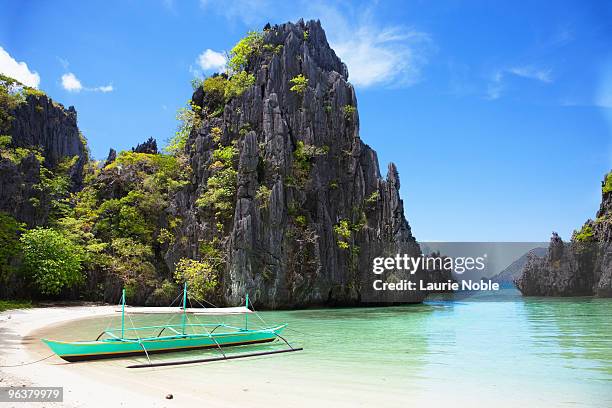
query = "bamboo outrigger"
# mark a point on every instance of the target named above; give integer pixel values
(172, 338)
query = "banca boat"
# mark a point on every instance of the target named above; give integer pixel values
(127, 342)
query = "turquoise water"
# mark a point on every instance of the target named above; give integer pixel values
(543, 352)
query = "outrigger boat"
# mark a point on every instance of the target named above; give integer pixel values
(172, 338)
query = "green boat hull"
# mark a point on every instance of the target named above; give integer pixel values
(115, 347)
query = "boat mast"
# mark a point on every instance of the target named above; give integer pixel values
(122, 313)
(184, 306)
(246, 315)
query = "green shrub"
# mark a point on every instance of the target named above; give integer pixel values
(14, 304)
(214, 91)
(221, 186)
(189, 119)
(373, 198)
(301, 221)
(300, 83)
(199, 275)
(263, 196)
(238, 83)
(343, 231)
(10, 246)
(585, 234)
(51, 261)
(276, 49)
(244, 49)
(607, 186)
(349, 111)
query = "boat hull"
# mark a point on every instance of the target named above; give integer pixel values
(115, 348)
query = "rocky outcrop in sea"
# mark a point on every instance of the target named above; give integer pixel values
(580, 267)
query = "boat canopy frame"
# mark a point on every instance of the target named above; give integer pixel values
(184, 325)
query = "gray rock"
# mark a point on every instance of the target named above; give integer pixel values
(285, 253)
(41, 123)
(582, 267)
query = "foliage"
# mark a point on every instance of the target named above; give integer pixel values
(14, 304)
(276, 49)
(343, 231)
(10, 98)
(300, 83)
(585, 234)
(189, 119)
(302, 160)
(51, 261)
(166, 292)
(263, 196)
(214, 91)
(349, 111)
(238, 83)
(301, 221)
(373, 198)
(221, 185)
(243, 50)
(306, 35)
(10, 246)
(200, 277)
(607, 185)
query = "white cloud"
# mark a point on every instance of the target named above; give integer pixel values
(71, 83)
(211, 60)
(497, 82)
(18, 70)
(104, 88)
(495, 86)
(383, 56)
(375, 54)
(542, 75)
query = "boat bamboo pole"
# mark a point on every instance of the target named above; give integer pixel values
(122, 313)
(205, 360)
(246, 315)
(184, 306)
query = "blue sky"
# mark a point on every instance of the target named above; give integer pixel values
(498, 116)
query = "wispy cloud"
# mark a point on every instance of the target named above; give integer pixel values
(497, 82)
(376, 54)
(382, 55)
(71, 83)
(542, 75)
(18, 70)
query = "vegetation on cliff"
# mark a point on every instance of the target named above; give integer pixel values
(244, 197)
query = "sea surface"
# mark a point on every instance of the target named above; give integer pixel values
(464, 348)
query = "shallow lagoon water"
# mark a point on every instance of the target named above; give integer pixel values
(501, 348)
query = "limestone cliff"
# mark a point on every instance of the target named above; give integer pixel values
(42, 135)
(582, 267)
(310, 208)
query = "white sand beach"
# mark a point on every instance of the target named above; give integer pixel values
(254, 382)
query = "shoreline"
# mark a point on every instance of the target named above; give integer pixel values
(19, 344)
(330, 372)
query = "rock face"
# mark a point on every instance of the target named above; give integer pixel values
(42, 124)
(507, 277)
(582, 267)
(283, 247)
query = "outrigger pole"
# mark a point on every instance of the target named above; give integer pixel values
(205, 360)
(246, 315)
(122, 313)
(184, 306)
